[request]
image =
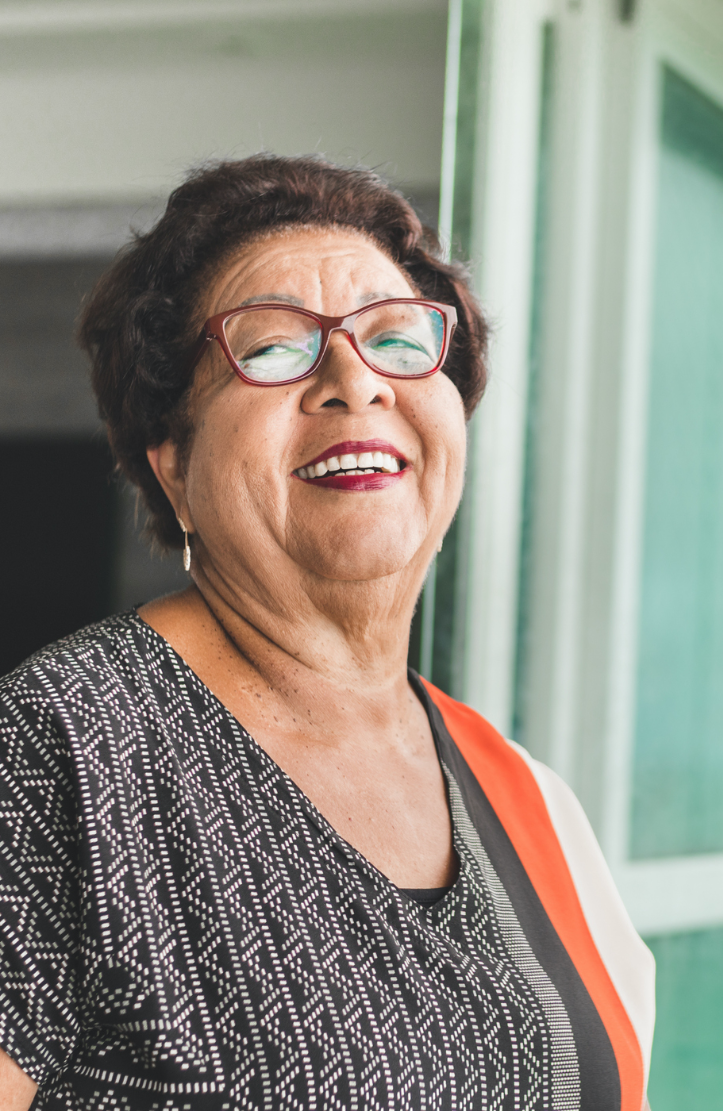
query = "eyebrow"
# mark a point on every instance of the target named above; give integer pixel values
(285, 297)
(289, 299)
(381, 295)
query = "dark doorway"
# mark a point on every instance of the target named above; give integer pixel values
(58, 507)
(70, 544)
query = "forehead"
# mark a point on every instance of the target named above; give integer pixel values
(313, 266)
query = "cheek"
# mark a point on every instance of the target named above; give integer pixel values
(231, 486)
(440, 423)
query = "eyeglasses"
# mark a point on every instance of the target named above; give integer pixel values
(273, 344)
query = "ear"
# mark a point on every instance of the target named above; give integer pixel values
(166, 463)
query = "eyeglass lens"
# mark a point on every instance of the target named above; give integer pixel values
(279, 344)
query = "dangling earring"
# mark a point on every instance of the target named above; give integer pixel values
(439, 549)
(186, 547)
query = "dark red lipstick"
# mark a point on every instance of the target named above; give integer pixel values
(341, 481)
(382, 476)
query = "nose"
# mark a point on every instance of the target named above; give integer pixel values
(343, 380)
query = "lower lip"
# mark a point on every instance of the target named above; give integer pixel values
(356, 481)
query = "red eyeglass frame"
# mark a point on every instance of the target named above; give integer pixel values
(213, 329)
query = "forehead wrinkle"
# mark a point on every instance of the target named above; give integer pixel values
(358, 278)
(357, 257)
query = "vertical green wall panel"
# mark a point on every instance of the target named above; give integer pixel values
(450, 597)
(687, 1067)
(523, 647)
(678, 762)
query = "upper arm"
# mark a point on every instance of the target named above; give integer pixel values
(39, 878)
(17, 1090)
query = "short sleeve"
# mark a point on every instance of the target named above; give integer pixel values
(39, 881)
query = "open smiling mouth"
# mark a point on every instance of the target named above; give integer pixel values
(355, 466)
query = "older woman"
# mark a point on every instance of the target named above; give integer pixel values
(248, 860)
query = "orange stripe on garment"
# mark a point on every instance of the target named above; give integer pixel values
(517, 800)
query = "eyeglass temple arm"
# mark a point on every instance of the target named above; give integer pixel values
(198, 349)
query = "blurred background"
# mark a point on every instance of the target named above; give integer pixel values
(573, 151)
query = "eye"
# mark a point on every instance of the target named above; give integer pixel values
(392, 340)
(280, 359)
(281, 348)
(271, 349)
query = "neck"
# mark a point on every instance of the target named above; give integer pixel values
(318, 653)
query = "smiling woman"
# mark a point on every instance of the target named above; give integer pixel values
(251, 860)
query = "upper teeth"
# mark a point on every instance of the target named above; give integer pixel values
(365, 461)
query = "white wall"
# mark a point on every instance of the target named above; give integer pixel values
(108, 101)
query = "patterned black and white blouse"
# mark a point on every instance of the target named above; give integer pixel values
(181, 929)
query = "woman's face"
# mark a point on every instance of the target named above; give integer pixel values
(241, 491)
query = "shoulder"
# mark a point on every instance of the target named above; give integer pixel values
(499, 766)
(628, 960)
(62, 681)
(558, 848)
(111, 630)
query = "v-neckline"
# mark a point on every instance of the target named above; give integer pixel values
(312, 811)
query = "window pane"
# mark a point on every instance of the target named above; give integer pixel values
(678, 764)
(687, 1067)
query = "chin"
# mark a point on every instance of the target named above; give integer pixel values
(376, 559)
(359, 571)
(373, 547)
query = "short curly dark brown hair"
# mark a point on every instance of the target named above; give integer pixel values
(142, 318)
